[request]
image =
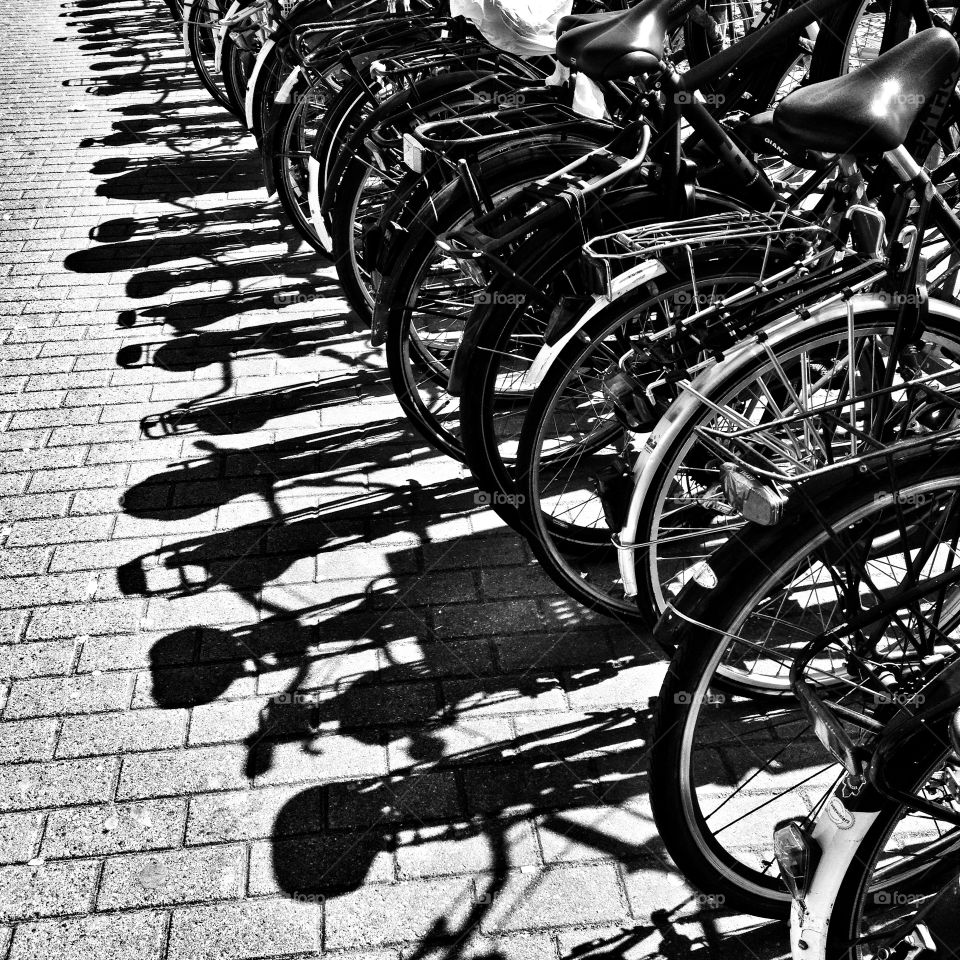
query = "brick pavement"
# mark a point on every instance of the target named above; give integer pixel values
(272, 684)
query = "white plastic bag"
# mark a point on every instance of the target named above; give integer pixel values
(527, 28)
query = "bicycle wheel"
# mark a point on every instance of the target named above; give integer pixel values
(430, 296)
(200, 19)
(676, 523)
(363, 182)
(276, 60)
(732, 752)
(237, 59)
(295, 125)
(574, 448)
(505, 332)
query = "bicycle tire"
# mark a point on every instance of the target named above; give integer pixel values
(541, 262)
(711, 610)
(198, 42)
(574, 554)
(505, 171)
(652, 597)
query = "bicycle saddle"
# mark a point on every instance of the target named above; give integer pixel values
(955, 733)
(870, 110)
(616, 46)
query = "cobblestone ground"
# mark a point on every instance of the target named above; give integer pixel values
(216, 525)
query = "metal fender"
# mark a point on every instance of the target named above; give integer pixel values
(636, 277)
(222, 27)
(687, 406)
(286, 90)
(316, 214)
(249, 101)
(839, 833)
(187, 17)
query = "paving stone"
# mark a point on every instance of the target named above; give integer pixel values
(180, 876)
(22, 740)
(49, 889)
(469, 847)
(113, 828)
(24, 660)
(80, 619)
(30, 786)
(250, 814)
(553, 898)
(137, 935)
(69, 695)
(254, 928)
(423, 798)
(325, 757)
(324, 866)
(19, 833)
(467, 739)
(181, 772)
(124, 732)
(504, 696)
(379, 914)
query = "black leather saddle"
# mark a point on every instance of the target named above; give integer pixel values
(871, 109)
(615, 46)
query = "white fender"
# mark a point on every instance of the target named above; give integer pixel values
(222, 27)
(629, 280)
(187, 17)
(286, 88)
(316, 217)
(688, 406)
(248, 100)
(839, 833)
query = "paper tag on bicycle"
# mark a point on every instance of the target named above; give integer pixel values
(588, 98)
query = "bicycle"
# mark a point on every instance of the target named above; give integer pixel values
(495, 353)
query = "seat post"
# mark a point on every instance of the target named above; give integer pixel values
(908, 171)
(901, 160)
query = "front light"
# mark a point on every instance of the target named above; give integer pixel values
(797, 854)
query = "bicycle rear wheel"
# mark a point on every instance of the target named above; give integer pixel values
(573, 457)
(199, 40)
(733, 753)
(677, 526)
